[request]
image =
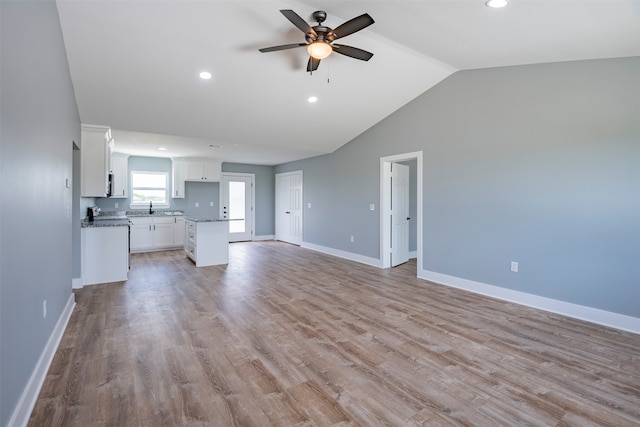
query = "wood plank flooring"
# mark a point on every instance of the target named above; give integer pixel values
(284, 336)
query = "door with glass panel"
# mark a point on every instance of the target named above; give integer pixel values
(236, 204)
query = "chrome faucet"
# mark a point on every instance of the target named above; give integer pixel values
(150, 208)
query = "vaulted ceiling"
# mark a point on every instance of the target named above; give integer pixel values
(135, 65)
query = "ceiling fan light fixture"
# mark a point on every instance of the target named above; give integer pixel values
(497, 3)
(319, 49)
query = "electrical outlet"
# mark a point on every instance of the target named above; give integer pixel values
(117, 205)
(197, 205)
(514, 266)
(372, 207)
(352, 239)
(211, 204)
(44, 309)
(308, 205)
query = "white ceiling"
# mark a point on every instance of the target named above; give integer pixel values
(135, 64)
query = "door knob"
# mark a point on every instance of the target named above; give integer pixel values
(287, 212)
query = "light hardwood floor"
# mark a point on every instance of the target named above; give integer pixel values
(285, 336)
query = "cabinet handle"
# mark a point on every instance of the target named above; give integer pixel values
(154, 227)
(123, 192)
(149, 227)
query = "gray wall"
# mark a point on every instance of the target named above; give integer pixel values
(537, 164)
(204, 193)
(39, 122)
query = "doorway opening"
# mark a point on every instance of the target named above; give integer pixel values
(388, 209)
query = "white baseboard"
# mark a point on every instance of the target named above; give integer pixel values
(22, 412)
(375, 262)
(264, 237)
(589, 314)
(76, 283)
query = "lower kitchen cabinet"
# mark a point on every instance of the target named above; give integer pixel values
(162, 235)
(141, 234)
(156, 233)
(207, 242)
(105, 254)
(179, 232)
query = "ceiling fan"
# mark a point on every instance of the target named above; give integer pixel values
(320, 38)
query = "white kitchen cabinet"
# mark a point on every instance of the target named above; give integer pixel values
(153, 233)
(105, 254)
(207, 242)
(203, 170)
(179, 232)
(95, 159)
(120, 171)
(162, 233)
(178, 175)
(141, 234)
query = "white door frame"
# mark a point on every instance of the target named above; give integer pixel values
(252, 221)
(385, 197)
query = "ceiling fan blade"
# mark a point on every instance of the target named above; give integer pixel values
(351, 51)
(351, 26)
(299, 22)
(313, 64)
(281, 47)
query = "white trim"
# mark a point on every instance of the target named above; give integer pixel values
(22, 412)
(385, 193)
(342, 254)
(264, 237)
(76, 283)
(589, 314)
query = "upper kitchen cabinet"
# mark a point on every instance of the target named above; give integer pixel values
(203, 170)
(178, 174)
(190, 169)
(120, 171)
(95, 154)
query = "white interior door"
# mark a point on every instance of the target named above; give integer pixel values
(289, 207)
(399, 214)
(236, 203)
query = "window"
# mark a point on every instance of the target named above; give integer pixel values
(149, 187)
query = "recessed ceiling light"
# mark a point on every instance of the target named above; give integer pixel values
(162, 148)
(497, 3)
(312, 99)
(216, 146)
(205, 75)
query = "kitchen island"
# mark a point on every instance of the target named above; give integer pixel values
(207, 241)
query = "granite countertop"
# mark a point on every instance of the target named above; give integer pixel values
(121, 218)
(206, 219)
(105, 223)
(145, 213)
